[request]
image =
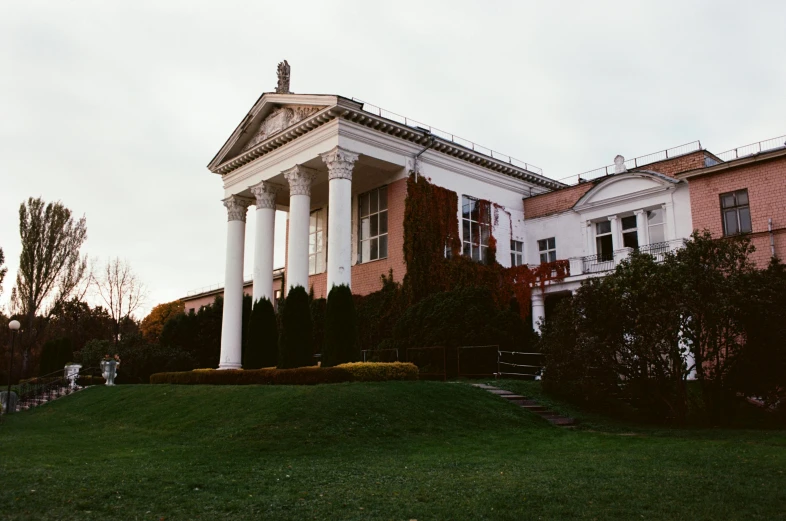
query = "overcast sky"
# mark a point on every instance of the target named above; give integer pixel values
(115, 108)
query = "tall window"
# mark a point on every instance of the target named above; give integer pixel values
(735, 212)
(373, 212)
(476, 228)
(316, 242)
(603, 241)
(630, 233)
(516, 253)
(548, 250)
(655, 226)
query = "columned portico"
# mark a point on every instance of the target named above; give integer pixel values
(265, 194)
(299, 179)
(340, 163)
(232, 323)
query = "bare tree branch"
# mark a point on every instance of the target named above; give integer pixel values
(121, 290)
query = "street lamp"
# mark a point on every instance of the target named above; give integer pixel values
(14, 326)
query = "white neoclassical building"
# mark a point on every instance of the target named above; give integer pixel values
(338, 167)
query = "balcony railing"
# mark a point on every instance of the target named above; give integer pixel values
(597, 263)
(600, 263)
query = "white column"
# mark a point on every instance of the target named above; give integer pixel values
(641, 227)
(589, 236)
(300, 179)
(232, 322)
(669, 224)
(615, 240)
(265, 194)
(339, 262)
(538, 308)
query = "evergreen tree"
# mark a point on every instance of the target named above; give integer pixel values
(295, 343)
(55, 354)
(261, 346)
(341, 343)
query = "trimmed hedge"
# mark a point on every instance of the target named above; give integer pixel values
(341, 330)
(356, 372)
(380, 371)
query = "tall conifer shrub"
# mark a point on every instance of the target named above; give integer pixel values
(295, 347)
(341, 343)
(261, 346)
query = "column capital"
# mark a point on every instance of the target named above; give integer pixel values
(265, 194)
(638, 212)
(340, 163)
(300, 179)
(612, 217)
(236, 207)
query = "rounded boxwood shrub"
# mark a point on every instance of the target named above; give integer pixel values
(341, 344)
(295, 342)
(261, 346)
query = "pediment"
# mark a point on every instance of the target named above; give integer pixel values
(279, 119)
(624, 186)
(271, 115)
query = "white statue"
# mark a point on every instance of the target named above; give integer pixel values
(109, 369)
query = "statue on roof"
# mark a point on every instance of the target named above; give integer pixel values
(619, 165)
(283, 78)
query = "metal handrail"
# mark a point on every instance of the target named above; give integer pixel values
(753, 148)
(636, 162)
(42, 389)
(466, 143)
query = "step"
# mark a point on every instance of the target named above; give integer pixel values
(534, 408)
(513, 397)
(562, 421)
(500, 392)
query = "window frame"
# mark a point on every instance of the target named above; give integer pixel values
(550, 250)
(380, 237)
(598, 236)
(626, 231)
(319, 253)
(736, 208)
(516, 253)
(483, 249)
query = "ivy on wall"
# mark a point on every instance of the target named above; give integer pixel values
(432, 252)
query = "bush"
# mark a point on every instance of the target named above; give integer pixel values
(138, 359)
(378, 312)
(359, 372)
(261, 347)
(298, 376)
(295, 343)
(318, 307)
(198, 333)
(380, 372)
(340, 328)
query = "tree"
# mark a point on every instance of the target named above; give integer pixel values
(341, 331)
(121, 290)
(712, 276)
(55, 354)
(3, 270)
(153, 323)
(50, 266)
(76, 320)
(261, 346)
(295, 343)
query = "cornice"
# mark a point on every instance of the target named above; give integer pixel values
(347, 110)
(767, 155)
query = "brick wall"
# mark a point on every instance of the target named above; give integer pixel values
(766, 185)
(366, 276)
(197, 301)
(672, 167)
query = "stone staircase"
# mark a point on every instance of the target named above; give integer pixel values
(531, 405)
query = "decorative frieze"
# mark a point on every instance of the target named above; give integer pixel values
(300, 179)
(265, 194)
(278, 120)
(237, 207)
(340, 163)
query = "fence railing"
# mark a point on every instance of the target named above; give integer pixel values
(636, 162)
(753, 148)
(447, 136)
(512, 363)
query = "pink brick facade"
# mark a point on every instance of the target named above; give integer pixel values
(765, 181)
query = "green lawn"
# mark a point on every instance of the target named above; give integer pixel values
(397, 450)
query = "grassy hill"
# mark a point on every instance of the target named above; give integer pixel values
(396, 450)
